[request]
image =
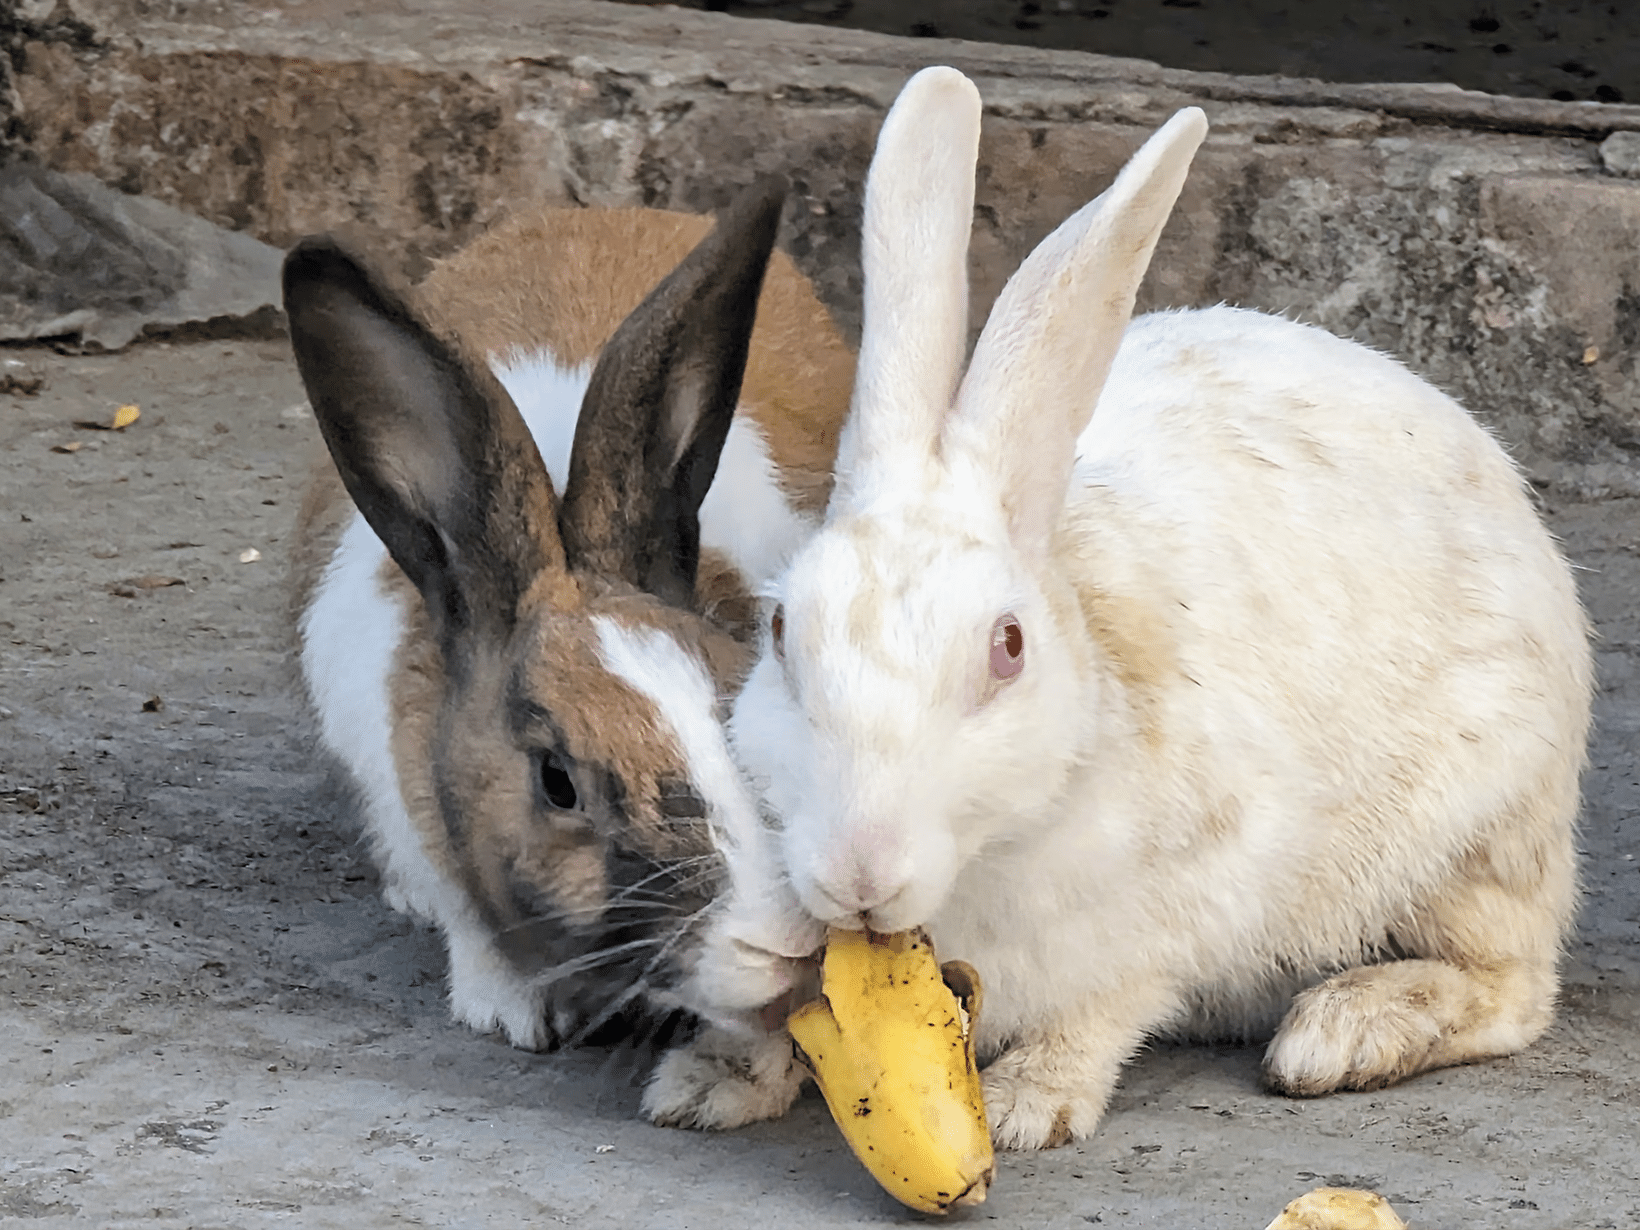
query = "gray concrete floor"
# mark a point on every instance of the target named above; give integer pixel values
(208, 1019)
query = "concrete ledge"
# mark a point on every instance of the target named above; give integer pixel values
(1480, 238)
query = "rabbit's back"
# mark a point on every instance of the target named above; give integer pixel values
(1352, 651)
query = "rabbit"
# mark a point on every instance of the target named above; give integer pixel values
(520, 650)
(1196, 675)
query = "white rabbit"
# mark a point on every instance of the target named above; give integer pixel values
(1162, 670)
(528, 691)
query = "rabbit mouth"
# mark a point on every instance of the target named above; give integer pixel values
(610, 977)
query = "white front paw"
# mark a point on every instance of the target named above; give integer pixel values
(724, 1079)
(487, 993)
(1026, 1112)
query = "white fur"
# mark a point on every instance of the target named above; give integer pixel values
(920, 204)
(548, 394)
(675, 682)
(745, 516)
(1302, 670)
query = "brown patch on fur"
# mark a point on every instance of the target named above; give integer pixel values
(563, 859)
(1222, 820)
(567, 861)
(1136, 646)
(799, 377)
(415, 692)
(1060, 1132)
(562, 279)
(525, 285)
(724, 599)
(609, 727)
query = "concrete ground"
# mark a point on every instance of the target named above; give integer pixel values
(208, 1018)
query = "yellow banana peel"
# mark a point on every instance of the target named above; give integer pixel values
(1338, 1208)
(890, 1042)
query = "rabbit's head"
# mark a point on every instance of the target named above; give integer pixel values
(571, 673)
(926, 684)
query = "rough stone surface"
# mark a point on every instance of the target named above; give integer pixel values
(1479, 238)
(83, 263)
(1620, 153)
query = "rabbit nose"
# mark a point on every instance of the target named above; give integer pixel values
(857, 893)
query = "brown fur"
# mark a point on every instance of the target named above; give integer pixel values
(799, 373)
(1130, 640)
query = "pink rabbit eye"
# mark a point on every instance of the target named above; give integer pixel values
(1007, 648)
(777, 631)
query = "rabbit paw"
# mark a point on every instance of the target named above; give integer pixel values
(487, 993)
(1373, 1026)
(1026, 1112)
(724, 1080)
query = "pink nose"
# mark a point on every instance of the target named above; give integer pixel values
(858, 891)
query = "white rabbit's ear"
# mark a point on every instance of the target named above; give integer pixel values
(1048, 345)
(919, 211)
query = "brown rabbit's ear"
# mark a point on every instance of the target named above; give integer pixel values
(658, 408)
(430, 447)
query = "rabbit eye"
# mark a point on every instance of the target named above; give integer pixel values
(1007, 648)
(556, 783)
(777, 631)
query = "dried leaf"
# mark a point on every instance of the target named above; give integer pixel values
(153, 705)
(249, 555)
(123, 418)
(73, 446)
(1591, 354)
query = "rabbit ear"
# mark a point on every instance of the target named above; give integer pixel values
(919, 211)
(430, 447)
(1048, 345)
(658, 409)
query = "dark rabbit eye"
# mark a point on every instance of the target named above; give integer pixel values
(777, 631)
(1007, 648)
(556, 783)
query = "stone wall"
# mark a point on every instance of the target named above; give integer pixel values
(1482, 239)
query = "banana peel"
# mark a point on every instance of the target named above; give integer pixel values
(890, 1042)
(1338, 1208)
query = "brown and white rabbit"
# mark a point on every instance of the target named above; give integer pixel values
(522, 651)
(1162, 670)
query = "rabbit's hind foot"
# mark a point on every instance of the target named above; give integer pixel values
(1378, 1024)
